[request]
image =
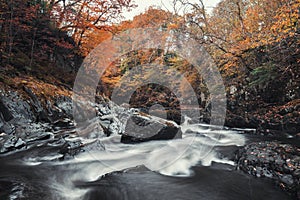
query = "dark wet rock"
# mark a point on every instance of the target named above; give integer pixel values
(15, 111)
(35, 103)
(59, 109)
(91, 130)
(141, 128)
(2, 121)
(105, 123)
(112, 117)
(93, 146)
(56, 142)
(111, 125)
(167, 113)
(20, 143)
(227, 152)
(39, 136)
(35, 122)
(17, 191)
(14, 107)
(5, 113)
(115, 127)
(280, 162)
(70, 149)
(63, 105)
(287, 179)
(66, 148)
(292, 127)
(7, 128)
(32, 129)
(63, 123)
(236, 121)
(10, 143)
(103, 109)
(297, 173)
(84, 112)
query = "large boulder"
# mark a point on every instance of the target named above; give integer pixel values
(141, 127)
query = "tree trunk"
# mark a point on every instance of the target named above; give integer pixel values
(32, 48)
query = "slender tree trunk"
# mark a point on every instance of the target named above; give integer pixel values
(32, 47)
(10, 31)
(80, 38)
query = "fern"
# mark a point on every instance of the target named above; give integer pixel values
(264, 74)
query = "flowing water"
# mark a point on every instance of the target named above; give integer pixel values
(198, 166)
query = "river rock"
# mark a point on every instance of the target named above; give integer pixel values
(275, 160)
(64, 123)
(60, 108)
(6, 127)
(95, 145)
(12, 106)
(142, 127)
(32, 130)
(9, 143)
(35, 122)
(20, 143)
(35, 103)
(39, 136)
(70, 149)
(64, 106)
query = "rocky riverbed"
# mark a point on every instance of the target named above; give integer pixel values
(30, 122)
(274, 160)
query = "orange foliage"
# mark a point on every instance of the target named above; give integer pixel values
(236, 26)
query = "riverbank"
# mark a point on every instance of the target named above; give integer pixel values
(37, 110)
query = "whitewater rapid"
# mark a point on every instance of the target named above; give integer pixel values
(167, 157)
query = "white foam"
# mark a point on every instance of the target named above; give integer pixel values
(172, 157)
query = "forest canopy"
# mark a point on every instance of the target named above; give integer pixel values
(255, 43)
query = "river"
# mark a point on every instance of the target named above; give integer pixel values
(198, 166)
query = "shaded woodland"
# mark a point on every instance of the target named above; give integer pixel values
(255, 45)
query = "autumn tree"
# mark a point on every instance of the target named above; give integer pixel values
(255, 43)
(151, 60)
(235, 26)
(80, 18)
(29, 37)
(151, 18)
